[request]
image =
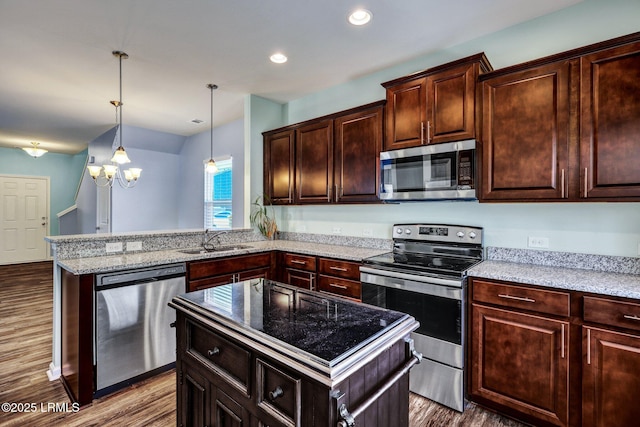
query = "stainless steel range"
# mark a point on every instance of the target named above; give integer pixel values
(424, 277)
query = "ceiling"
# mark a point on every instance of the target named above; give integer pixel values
(58, 74)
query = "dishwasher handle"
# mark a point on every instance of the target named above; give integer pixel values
(140, 275)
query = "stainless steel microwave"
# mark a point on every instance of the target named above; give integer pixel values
(429, 172)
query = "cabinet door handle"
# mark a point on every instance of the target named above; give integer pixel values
(295, 261)
(562, 184)
(631, 317)
(428, 132)
(213, 351)
(335, 285)
(276, 393)
(422, 133)
(524, 299)
(588, 346)
(337, 268)
(586, 170)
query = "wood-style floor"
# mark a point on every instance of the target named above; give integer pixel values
(26, 313)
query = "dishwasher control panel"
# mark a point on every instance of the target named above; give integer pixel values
(143, 274)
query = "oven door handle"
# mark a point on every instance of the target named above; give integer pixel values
(407, 282)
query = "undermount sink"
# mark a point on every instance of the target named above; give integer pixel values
(197, 251)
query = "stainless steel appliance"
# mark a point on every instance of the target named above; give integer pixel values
(429, 172)
(424, 277)
(133, 336)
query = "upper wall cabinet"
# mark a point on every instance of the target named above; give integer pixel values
(435, 105)
(279, 166)
(332, 159)
(610, 123)
(565, 127)
(525, 137)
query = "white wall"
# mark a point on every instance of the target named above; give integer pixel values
(601, 228)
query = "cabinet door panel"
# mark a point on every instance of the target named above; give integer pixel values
(451, 105)
(520, 362)
(193, 398)
(314, 162)
(279, 167)
(405, 114)
(358, 144)
(526, 134)
(610, 123)
(611, 384)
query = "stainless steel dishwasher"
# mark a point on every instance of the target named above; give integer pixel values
(133, 333)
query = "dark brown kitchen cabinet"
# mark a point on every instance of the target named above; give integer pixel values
(314, 162)
(611, 362)
(220, 271)
(339, 277)
(357, 146)
(298, 270)
(331, 159)
(610, 123)
(278, 165)
(525, 134)
(519, 351)
(435, 105)
(564, 127)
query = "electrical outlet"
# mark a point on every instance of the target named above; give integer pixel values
(538, 242)
(134, 246)
(367, 232)
(114, 247)
(337, 230)
(638, 249)
(301, 228)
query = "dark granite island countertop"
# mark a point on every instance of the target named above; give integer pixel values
(324, 337)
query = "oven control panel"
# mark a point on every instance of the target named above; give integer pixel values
(438, 232)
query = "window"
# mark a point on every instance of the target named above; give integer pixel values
(218, 195)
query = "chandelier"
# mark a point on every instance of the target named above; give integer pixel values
(34, 151)
(211, 166)
(105, 175)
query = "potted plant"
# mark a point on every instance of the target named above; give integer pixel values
(263, 217)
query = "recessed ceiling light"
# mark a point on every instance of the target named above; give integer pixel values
(278, 58)
(360, 17)
(197, 121)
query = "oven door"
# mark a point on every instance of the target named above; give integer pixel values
(436, 303)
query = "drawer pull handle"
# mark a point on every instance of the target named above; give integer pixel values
(273, 395)
(337, 268)
(295, 261)
(631, 317)
(335, 285)
(524, 299)
(213, 352)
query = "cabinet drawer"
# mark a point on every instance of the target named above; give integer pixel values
(279, 394)
(344, 269)
(619, 314)
(227, 359)
(216, 267)
(335, 285)
(521, 297)
(300, 262)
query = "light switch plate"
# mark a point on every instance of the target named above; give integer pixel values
(114, 247)
(134, 246)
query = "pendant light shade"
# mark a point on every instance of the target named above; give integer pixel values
(211, 166)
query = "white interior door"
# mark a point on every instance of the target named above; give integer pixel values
(23, 218)
(103, 209)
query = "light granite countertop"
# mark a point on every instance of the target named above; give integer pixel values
(605, 275)
(102, 264)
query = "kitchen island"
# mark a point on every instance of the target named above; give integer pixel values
(260, 352)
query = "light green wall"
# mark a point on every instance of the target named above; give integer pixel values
(601, 228)
(64, 172)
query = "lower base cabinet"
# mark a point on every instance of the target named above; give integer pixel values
(222, 382)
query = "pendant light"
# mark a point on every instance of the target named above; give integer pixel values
(34, 151)
(211, 166)
(112, 172)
